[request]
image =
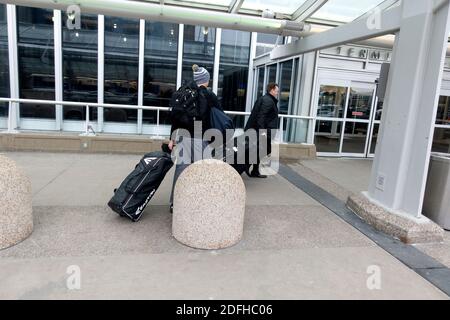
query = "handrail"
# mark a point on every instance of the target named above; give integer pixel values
(88, 105)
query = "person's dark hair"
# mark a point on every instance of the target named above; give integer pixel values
(271, 86)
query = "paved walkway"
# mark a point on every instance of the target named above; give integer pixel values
(293, 247)
(342, 177)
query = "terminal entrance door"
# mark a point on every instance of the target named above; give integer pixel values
(345, 123)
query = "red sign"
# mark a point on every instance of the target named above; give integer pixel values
(357, 113)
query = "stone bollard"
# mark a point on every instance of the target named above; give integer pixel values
(209, 206)
(16, 215)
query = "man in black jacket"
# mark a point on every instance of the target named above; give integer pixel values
(264, 116)
(192, 145)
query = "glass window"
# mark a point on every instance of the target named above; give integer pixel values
(260, 89)
(272, 74)
(379, 110)
(354, 140)
(331, 101)
(160, 69)
(233, 72)
(360, 103)
(328, 136)
(441, 140)
(345, 10)
(282, 6)
(285, 86)
(80, 67)
(373, 145)
(443, 112)
(266, 42)
(121, 67)
(198, 48)
(36, 61)
(4, 64)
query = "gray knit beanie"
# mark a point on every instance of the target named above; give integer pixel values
(201, 75)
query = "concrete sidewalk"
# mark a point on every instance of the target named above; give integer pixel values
(293, 247)
(343, 177)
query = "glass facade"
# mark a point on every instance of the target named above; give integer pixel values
(80, 54)
(4, 62)
(160, 68)
(36, 61)
(233, 71)
(198, 48)
(332, 101)
(441, 139)
(121, 68)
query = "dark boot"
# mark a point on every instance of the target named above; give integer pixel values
(256, 174)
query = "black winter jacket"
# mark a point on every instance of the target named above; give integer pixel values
(206, 100)
(264, 114)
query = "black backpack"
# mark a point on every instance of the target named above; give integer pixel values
(184, 105)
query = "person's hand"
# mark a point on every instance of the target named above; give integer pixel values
(171, 144)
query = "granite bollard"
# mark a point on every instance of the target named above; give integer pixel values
(16, 213)
(209, 206)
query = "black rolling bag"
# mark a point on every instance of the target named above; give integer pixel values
(138, 188)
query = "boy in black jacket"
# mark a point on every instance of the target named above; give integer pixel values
(193, 146)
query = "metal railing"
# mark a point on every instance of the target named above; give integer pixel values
(88, 128)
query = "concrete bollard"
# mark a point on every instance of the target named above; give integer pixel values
(16, 213)
(209, 206)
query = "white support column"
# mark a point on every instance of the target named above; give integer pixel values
(217, 60)
(401, 163)
(141, 74)
(313, 102)
(251, 74)
(100, 70)
(57, 30)
(13, 119)
(180, 55)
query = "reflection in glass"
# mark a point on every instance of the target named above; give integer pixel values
(360, 103)
(80, 67)
(233, 72)
(121, 67)
(282, 6)
(160, 68)
(379, 110)
(298, 130)
(331, 101)
(443, 113)
(441, 140)
(266, 42)
(272, 74)
(345, 10)
(354, 140)
(260, 90)
(36, 61)
(376, 129)
(4, 64)
(285, 86)
(198, 48)
(327, 136)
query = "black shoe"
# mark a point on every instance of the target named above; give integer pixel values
(257, 175)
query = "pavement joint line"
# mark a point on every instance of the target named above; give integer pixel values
(406, 254)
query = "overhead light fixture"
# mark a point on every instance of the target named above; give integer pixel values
(205, 30)
(124, 39)
(77, 34)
